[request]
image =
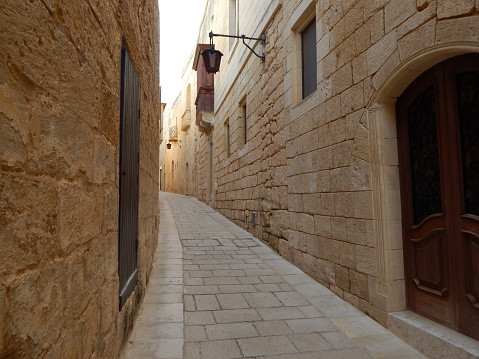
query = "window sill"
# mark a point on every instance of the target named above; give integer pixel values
(305, 105)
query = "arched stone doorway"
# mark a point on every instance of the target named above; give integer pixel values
(438, 142)
(385, 173)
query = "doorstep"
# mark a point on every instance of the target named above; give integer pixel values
(430, 338)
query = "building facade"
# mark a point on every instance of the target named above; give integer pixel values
(79, 111)
(350, 149)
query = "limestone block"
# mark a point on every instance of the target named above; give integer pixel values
(360, 67)
(352, 99)
(295, 203)
(81, 215)
(338, 228)
(380, 52)
(341, 179)
(421, 38)
(105, 161)
(377, 314)
(397, 11)
(14, 124)
(373, 7)
(322, 226)
(366, 260)
(342, 278)
(333, 112)
(32, 45)
(395, 233)
(387, 68)
(362, 39)
(369, 91)
(359, 284)
(352, 299)
(323, 181)
(62, 144)
(332, 15)
(344, 204)
(305, 183)
(360, 174)
(322, 159)
(397, 264)
(91, 327)
(397, 296)
(342, 79)
(326, 271)
(38, 301)
(392, 177)
(331, 250)
(377, 26)
(347, 50)
(348, 24)
(452, 8)
(315, 245)
(327, 204)
(461, 29)
(29, 233)
(417, 20)
(347, 255)
(312, 203)
(298, 258)
(324, 87)
(376, 299)
(323, 47)
(363, 204)
(110, 211)
(337, 131)
(310, 264)
(357, 231)
(336, 290)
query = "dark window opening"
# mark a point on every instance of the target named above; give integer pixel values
(308, 59)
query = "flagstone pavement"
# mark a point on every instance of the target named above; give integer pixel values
(218, 292)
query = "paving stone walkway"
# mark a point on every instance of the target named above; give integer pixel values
(218, 292)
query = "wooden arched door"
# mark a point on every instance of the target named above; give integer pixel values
(438, 142)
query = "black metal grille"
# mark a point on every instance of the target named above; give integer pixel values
(129, 170)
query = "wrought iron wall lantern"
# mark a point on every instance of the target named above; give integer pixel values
(212, 57)
(171, 142)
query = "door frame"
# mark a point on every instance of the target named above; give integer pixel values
(388, 287)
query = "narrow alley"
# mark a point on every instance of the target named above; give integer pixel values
(217, 292)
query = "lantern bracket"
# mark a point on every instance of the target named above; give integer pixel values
(262, 39)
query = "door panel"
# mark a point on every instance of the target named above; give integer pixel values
(438, 140)
(429, 256)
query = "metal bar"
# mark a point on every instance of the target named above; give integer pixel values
(262, 39)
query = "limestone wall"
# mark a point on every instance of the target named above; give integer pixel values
(321, 173)
(59, 173)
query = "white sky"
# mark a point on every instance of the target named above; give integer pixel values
(179, 24)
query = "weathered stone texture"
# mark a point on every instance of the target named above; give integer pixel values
(59, 165)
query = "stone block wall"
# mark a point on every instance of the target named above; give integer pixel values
(60, 69)
(321, 173)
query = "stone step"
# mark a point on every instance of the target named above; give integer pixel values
(430, 338)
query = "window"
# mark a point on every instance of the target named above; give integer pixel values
(308, 59)
(303, 70)
(129, 169)
(233, 20)
(227, 138)
(244, 122)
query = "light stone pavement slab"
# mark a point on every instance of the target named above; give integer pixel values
(218, 292)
